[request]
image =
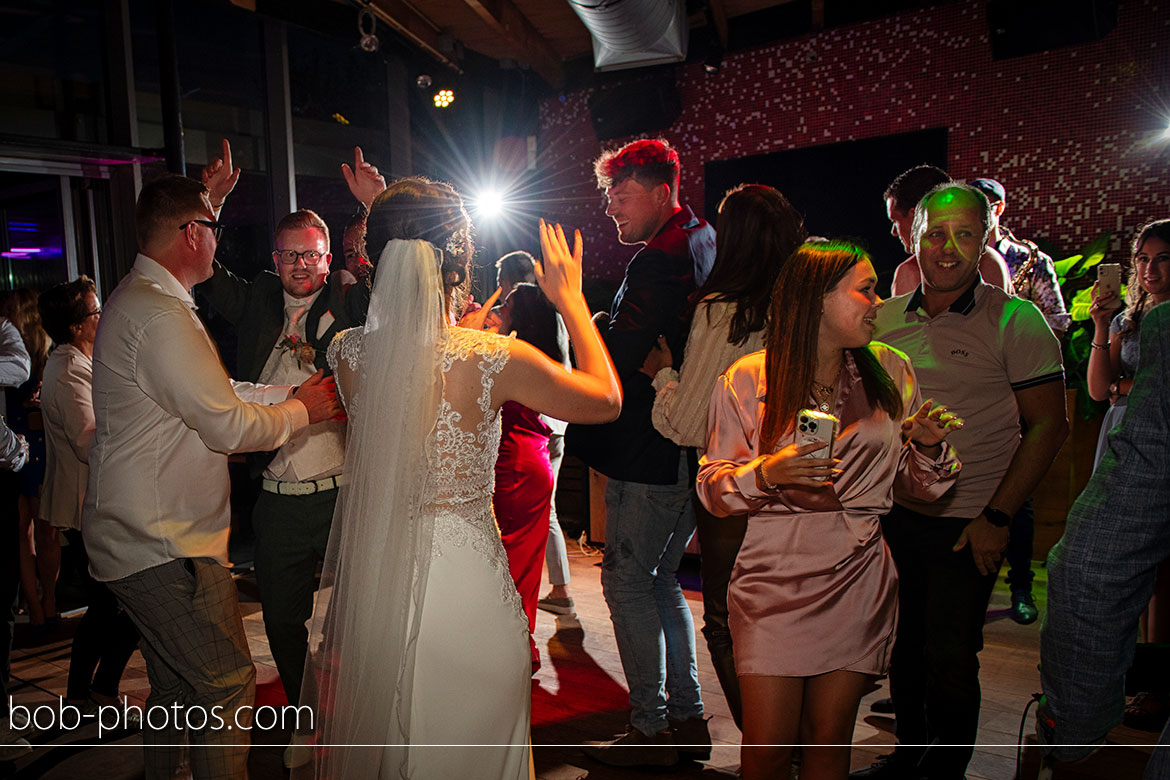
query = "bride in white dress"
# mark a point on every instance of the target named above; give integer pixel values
(419, 664)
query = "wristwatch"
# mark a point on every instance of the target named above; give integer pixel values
(997, 517)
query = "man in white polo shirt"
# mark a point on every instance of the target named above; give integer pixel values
(156, 517)
(991, 359)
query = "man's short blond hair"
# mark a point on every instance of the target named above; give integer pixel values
(303, 219)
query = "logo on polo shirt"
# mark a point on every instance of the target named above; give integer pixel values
(959, 353)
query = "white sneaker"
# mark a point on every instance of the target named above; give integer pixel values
(12, 745)
(18, 723)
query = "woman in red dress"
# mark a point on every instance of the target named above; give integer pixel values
(524, 478)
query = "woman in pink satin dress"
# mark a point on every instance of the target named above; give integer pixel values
(813, 596)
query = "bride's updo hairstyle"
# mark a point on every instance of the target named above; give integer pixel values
(418, 208)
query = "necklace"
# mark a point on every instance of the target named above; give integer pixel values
(823, 394)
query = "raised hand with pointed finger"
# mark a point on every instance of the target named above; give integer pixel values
(219, 177)
(363, 178)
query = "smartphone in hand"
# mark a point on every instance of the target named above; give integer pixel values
(1109, 281)
(811, 426)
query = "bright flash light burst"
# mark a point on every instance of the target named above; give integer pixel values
(489, 204)
(444, 98)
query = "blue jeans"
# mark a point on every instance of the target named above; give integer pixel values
(647, 531)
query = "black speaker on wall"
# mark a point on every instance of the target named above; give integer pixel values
(1019, 27)
(633, 107)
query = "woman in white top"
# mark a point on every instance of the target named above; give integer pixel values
(758, 229)
(106, 637)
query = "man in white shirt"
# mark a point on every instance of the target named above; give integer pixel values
(284, 323)
(157, 517)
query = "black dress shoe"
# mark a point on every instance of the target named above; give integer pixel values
(1024, 609)
(692, 738)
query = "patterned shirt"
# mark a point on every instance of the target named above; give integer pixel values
(1034, 281)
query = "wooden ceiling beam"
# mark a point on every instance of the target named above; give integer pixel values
(415, 27)
(527, 44)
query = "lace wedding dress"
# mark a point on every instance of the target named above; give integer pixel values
(418, 649)
(470, 684)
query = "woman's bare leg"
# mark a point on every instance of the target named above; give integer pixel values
(28, 564)
(829, 713)
(771, 722)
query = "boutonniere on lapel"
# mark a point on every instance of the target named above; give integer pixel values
(303, 351)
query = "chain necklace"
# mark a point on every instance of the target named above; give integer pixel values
(823, 394)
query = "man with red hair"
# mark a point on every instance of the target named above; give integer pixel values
(649, 519)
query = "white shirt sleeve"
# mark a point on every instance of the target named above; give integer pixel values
(250, 392)
(14, 361)
(13, 448)
(179, 370)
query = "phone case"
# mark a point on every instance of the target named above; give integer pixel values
(1109, 280)
(812, 425)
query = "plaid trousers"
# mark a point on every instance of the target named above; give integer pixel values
(200, 670)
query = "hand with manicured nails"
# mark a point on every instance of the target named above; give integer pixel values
(559, 275)
(931, 424)
(789, 468)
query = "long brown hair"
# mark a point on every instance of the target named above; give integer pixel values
(1137, 300)
(20, 307)
(794, 326)
(758, 229)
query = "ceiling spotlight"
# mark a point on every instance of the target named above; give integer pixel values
(367, 40)
(423, 81)
(444, 98)
(489, 204)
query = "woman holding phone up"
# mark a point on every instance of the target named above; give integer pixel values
(813, 597)
(1113, 361)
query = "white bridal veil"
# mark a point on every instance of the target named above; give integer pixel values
(362, 641)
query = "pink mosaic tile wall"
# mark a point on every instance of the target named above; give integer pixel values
(1073, 134)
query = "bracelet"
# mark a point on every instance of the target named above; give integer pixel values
(768, 486)
(1095, 345)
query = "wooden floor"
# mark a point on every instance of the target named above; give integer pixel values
(578, 697)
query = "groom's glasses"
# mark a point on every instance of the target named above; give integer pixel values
(290, 256)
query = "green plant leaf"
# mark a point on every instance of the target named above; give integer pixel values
(1065, 265)
(1078, 308)
(1078, 265)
